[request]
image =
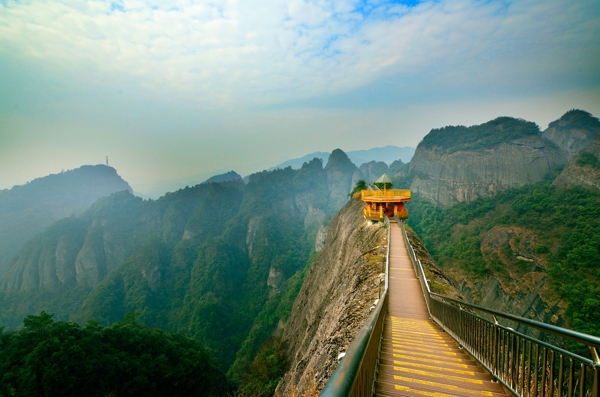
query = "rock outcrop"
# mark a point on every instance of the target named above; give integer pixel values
(334, 300)
(518, 281)
(573, 131)
(447, 179)
(77, 250)
(479, 163)
(339, 171)
(372, 170)
(583, 170)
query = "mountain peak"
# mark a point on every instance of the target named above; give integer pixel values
(477, 137)
(27, 209)
(228, 176)
(573, 131)
(339, 160)
(577, 118)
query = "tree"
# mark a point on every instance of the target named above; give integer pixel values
(360, 185)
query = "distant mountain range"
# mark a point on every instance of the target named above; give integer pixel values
(157, 189)
(387, 154)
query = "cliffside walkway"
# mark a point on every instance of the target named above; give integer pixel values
(417, 358)
(409, 345)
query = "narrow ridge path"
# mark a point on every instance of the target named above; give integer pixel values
(417, 357)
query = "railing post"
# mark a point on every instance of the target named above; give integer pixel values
(596, 367)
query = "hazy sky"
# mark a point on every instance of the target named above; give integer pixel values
(169, 90)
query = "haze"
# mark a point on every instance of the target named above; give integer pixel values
(172, 90)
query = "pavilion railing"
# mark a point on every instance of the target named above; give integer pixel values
(355, 374)
(388, 193)
(526, 366)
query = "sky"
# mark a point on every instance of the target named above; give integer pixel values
(174, 90)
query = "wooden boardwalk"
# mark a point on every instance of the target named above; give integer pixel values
(417, 357)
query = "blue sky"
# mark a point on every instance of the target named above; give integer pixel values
(169, 90)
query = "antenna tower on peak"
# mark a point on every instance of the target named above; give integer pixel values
(107, 161)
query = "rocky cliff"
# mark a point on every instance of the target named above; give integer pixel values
(460, 164)
(339, 171)
(28, 209)
(334, 300)
(573, 131)
(584, 169)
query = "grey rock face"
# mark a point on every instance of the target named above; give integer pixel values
(447, 179)
(275, 278)
(572, 132)
(373, 170)
(334, 300)
(253, 225)
(321, 238)
(90, 264)
(339, 171)
(584, 175)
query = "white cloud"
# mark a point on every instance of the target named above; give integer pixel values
(230, 52)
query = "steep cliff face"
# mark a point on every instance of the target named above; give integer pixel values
(573, 131)
(447, 172)
(28, 209)
(334, 300)
(369, 172)
(584, 169)
(339, 171)
(449, 178)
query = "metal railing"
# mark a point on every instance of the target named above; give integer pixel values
(526, 366)
(355, 374)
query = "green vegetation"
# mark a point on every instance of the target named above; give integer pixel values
(566, 223)
(220, 263)
(386, 185)
(360, 185)
(587, 158)
(577, 119)
(262, 375)
(451, 139)
(55, 358)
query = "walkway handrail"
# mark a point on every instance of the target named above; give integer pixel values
(524, 365)
(355, 374)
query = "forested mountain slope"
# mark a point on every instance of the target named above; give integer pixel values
(219, 262)
(27, 209)
(532, 251)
